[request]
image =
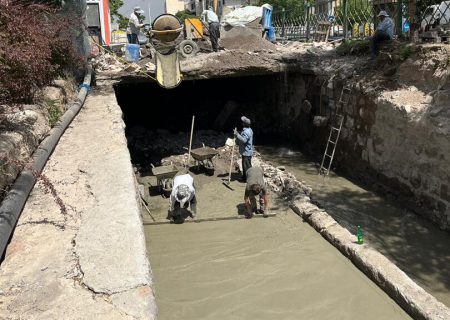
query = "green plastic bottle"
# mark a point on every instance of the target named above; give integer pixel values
(359, 235)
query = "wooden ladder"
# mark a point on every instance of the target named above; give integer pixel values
(335, 131)
(322, 31)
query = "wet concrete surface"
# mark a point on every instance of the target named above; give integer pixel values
(415, 245)
(278, 267)
(274, 268)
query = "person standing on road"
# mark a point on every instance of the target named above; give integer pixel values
(245, 141)
(183, 195)
(210, 17)
(134, 24)
(384, 32)
(256, 186)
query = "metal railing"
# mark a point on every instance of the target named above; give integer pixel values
(349, 18)
(357, 18)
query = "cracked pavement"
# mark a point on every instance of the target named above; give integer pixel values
(90, 263)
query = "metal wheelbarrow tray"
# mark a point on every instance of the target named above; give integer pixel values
(204, 153)
(164, 176)
(203, 156)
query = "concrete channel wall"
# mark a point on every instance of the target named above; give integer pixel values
(412, 298)
(396, 140)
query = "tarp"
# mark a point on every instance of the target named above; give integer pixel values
(242, 16)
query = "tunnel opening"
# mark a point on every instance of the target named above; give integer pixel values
(281, 107)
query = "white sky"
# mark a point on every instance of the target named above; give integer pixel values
(152, 8)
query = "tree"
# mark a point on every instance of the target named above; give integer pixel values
(114, 6)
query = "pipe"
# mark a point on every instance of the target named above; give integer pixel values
(12, 205)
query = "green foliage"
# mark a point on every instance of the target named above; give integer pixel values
(357, 12)
(405, 52)
(114, 6)
(294, 8)
(54, 113)
(123, 22)
(182, 15)
(353, 47)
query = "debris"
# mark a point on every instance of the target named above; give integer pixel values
(133, 67)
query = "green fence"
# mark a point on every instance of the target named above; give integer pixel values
(357, 18)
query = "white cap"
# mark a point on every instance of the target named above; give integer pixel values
(383, 14)
(246, 120)
(183, 194)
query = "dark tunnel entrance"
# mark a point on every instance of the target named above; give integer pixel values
(275, 103)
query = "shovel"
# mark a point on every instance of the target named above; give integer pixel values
(226, 183)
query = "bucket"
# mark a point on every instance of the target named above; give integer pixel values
(271, 34)
(132, 53)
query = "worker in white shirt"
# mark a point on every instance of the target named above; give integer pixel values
(210, 17)
(134, 24)
(183, 195)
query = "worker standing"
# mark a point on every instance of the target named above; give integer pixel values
(183, 195)
(210, 17)
(256, 186)
(135, 24)
(245, 141)
(385, 31)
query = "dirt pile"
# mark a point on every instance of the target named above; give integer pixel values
(242, 38)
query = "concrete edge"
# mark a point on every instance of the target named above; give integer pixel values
(418, 303)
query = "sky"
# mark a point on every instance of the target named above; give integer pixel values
(152, 8)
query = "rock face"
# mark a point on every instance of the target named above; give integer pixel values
(23, 128)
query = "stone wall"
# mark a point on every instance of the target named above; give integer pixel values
(396, 140)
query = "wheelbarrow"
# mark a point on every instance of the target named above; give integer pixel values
(164, 178)
(204, 158)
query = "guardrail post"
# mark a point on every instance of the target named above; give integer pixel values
(308, 16)
(345, 18)
(400, 18)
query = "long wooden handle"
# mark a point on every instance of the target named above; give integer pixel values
(231, 161)
(190, 141)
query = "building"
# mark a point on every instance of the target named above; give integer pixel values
(99, 20)
(173, 6)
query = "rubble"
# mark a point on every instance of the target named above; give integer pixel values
(107, 62)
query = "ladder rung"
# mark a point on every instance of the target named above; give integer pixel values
(327, 155)
(333, 128)
(333, 142)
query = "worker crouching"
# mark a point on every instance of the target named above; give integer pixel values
(256, 187)
(182, 196)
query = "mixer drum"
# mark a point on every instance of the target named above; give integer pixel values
(166, 28)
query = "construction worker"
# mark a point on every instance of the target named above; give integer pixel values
(135, 24)
(245, 141)
(182, 195)
(256, 186)
(384, 32)
(210, 17)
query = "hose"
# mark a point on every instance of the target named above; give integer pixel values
(12, 205)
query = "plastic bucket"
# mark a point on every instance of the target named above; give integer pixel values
(271, 34)
(132, 53)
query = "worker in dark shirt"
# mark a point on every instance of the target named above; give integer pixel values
(256, 186)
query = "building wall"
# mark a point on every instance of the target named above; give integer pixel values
(173, 6)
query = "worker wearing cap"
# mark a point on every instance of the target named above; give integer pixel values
(256, 186)
(210, 17)
(134, 24)
(245, 141)
(183, 194)
(385, 31)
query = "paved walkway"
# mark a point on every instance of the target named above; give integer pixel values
(90, 263)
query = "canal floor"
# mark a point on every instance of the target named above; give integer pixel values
(414, 244)
(278, 267)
